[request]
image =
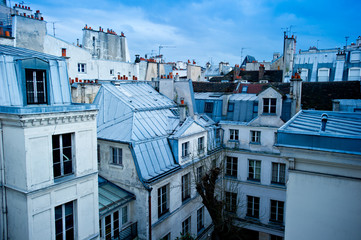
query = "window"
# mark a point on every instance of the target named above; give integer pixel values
(62, 155)
(185, 149)
(231, 166)
(354, 74)
(323, 74)
(35, 86)
(233, 134)
(255, 137)
(231, 202)
(166, 237)
(98, 152)
(244, 89)
(304, 74)
(269, 105)
(200, 145)
(163, 204)
(230, 107)
(355, 56)
(111, 72)
(253, 206)
(186, 226)
(200, 219)
(81, 67)
(64, 221)
(186, 187)
(199, 173)
(124, 215)
(277, 211)
(278, 173)
(254, 170)
(208, 107)
(117, 156)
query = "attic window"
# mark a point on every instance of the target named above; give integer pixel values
(208, 107)
(269, 105)
(35, 86)
(244, 89)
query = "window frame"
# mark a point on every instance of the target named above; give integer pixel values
(163, 200)
(230, 107)
(255, 137)
(201, 145)
(208, 107)
(32, 83)
(269, 106)
(277, 211)
(252, 168)
(231, 167)
(200, 219)
(230, 202)
(61, 156)
(63, 218)
(234, 134)
(116, 156)
(82, 68)
(186, 187)
(199, 173)
(253, 206)
(187, 226)
(280, 170)
(185, 149)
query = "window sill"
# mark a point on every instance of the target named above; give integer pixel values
(64, 178)
(200, 231)
(163, 215)
(276, 223)
(278, 184)
(255, 143)
(116, 166)
(186, 200)
(269, 114)
(230, 176)
(252, 219)
(233, 140)
(254, 180)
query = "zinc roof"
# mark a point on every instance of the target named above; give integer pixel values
(26, 53)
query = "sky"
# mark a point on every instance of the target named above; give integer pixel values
(208, 31)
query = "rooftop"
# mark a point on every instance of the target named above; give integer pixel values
(342, 132)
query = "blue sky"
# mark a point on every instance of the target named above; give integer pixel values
(208, 30)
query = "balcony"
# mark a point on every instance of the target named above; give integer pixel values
(128, 233)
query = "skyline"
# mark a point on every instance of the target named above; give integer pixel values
(209, 30)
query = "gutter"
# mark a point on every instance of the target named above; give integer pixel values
(3, 191)
(147, 187)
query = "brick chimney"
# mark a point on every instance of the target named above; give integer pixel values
(261, 72)
(295, 93)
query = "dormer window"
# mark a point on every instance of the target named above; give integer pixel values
(269, 105)
(35, 86)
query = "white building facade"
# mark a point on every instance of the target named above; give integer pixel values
(48, 158)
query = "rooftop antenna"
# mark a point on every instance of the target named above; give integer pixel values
(347, 37)
(164, 46)
(54, 27)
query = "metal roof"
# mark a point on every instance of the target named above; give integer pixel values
(138, 115)
(243, 97)
(342, 132)
(26, 53)
(208, 95)
(111, 196)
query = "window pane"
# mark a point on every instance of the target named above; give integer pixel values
(66, 140)
(55, 141)
(68, 167)
(57, 170)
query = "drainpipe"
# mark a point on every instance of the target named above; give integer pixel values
(3, 191)
(150, 213)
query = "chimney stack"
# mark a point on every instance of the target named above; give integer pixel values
(324, 118)
(261, 72)
(182, 111)
(296, 93)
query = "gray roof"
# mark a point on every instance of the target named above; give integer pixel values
(25, 53)
(111, 196)
(138, 115)
(243, 97)
(342, 132)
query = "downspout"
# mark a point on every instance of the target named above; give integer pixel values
(147, 187)
(3, 191)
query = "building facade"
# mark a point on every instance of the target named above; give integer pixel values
(48, 151)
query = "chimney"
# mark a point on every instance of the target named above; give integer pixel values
(261, 72)
(182, 110)
(324, 118)
(295, 93)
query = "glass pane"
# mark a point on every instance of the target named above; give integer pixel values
(67, 153)
(66, 140)
(59, 236)
(58, 226)
(56, 141)
(68, 208)
(68, 167)
(70, 234)
(69, 222)
(57, 170)
(56, 156)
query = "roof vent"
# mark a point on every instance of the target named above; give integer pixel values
(324, 118)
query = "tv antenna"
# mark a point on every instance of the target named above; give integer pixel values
(54, 27)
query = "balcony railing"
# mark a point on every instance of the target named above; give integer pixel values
(128, 233)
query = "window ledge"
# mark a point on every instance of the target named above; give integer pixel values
(278, 184)
(64, 178)
(186, 200)
(116, 166)
(254, 180)
(255, 143)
